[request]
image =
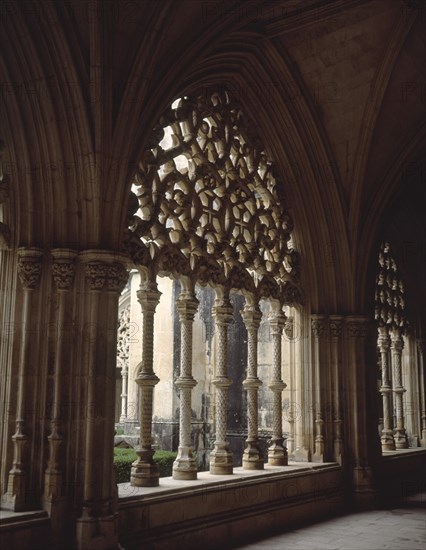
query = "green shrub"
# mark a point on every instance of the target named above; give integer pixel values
(123, 459)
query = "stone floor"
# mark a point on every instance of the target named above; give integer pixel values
(399, 528)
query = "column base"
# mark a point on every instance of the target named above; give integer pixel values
(221, 462)
(185, 466)
(400, 439)
(14, 499)
(277, 455)
(145, 474)
(97, 533)
(387, 441)
(338, 446)
(301, 454)
(319, 451)
(252, 457)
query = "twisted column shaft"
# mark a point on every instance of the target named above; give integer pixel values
(277, 452)
(185, 466)
(397, 345)
(252, 457)
(383, 343)
(220, 457)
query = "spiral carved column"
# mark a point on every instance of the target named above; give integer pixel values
(221, 458)
(277, 452)
(383, 343)
(252, 457)
(185, 466)
(29, 271)
(397, 344)
(145, 472)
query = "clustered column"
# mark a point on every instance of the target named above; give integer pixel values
(29, 271)
(336, 327)
(221, 458)
(397, 344)
(383, 342)
(277, 452)
(319, 331)
(63, 275)
(185, 466)
(252, 457)
(145, 472)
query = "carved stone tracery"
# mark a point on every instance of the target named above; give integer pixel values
(208, 197)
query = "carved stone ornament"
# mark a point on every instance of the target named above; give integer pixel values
(29, 267)
(103, 271)
(207, 190)
(357, 327)
(63, 268)
(389, 295)
(319, 327)
(123, 337)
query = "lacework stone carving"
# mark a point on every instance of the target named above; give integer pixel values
(123, 347)
(390, 316)
(389, 295)
(210, 203)
(123, 337)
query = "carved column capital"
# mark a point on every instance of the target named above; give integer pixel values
(29, 266)
(397, 342)
(223, 311)
(187, 306)
(148, 299)
(252, 316)
(319, 326)
(63, 268)
(335, 326)
(105, 270)
(383, 340)
(357, 326)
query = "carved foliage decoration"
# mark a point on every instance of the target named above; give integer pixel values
(209, 202)
(123, 338)
(389, 295)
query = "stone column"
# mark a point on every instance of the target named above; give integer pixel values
(105, 275)
(252, 456)
(383, 343)
(277, 452)
(397, 344)
(145, 472)
(29, 271)
(336, 326)
(421, 348)
(360, 431)
(220, 457)
(53, 500)
(292, 408)
(319, 331)
(185, 466)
